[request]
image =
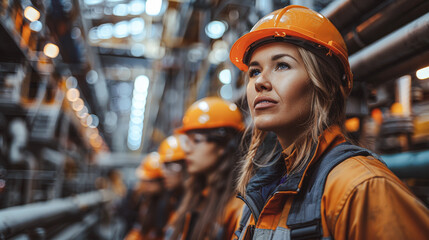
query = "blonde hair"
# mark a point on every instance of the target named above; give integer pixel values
(327, 109)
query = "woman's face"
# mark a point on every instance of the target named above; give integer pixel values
(173, 174)
(201, 155)
(150, 187)
(278, 91)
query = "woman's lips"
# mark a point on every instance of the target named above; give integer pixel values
(264, 103)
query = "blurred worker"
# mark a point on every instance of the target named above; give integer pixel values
(321, 186)
(209, 209)
(116, 183)
(172, 158)
(148, 224)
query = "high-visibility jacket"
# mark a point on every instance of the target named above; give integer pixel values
(362, 199)
(224, 228)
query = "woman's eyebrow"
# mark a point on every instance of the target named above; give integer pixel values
(274, 58)
(254, 63)
(278, 56)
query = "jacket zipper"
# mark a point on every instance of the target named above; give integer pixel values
(252, 207)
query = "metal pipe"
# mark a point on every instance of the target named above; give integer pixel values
(409, 164)
(390, 18)
(406, 42)
(78, 229)
(398, 69)
(343, 12)
(15, 219)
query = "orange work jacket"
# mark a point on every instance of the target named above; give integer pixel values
(224, 228)
(362, 199)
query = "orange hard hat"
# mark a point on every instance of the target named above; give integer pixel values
(171, 150)
(298, 25)
(212, 112)
(150, 167)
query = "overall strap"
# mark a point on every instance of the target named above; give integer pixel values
(304, 218)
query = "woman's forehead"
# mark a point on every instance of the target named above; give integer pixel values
(270, 49)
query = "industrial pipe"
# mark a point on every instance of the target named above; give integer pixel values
(14, 220)
(400, 68)
(408, 164)
(78, 229)
(343, 12)
(404, 43)
(390, 18)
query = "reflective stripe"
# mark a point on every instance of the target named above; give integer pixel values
(267, 234)
(281, 233)
(263, 233)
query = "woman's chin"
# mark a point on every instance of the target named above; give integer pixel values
(264, 124)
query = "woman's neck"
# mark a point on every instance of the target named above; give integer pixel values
(285, 140)
(289, 137)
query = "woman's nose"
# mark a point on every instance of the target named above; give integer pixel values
(262, 83)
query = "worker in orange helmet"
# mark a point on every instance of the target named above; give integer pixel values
(173, 163)
(209, 210)
(172, 158)
(147, 195)
(320, 186)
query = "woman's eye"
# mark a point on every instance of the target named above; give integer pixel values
(254, 72)
(282, 66)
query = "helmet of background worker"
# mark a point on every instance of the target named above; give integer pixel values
(150, 168)
(171, 150)
(296, 25)
(212, 112)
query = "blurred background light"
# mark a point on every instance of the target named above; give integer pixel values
(36, 26)
(120, 10)
(141, 85)
(51, 50)
(153, 7)
(423, 73)
(94, 121)
(93, 2)
(31, 14)
(136, 26)
(71, 82)
(136, 7)
(226, 92)
(92, 77)
(137, 50)
(82, 113)
(72, 94)
(78, 104)
(105, 31)
(225, 76)
(215, 29)
(121, 29)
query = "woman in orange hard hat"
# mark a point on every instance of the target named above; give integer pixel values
(172, 158)
(209, 209)
(320, 186)
(149, 223)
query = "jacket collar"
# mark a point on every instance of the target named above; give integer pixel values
(269, 176)
(330, 138)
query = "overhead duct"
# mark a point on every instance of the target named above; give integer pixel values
(382, 23)
(400, 45)
(343, 12)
